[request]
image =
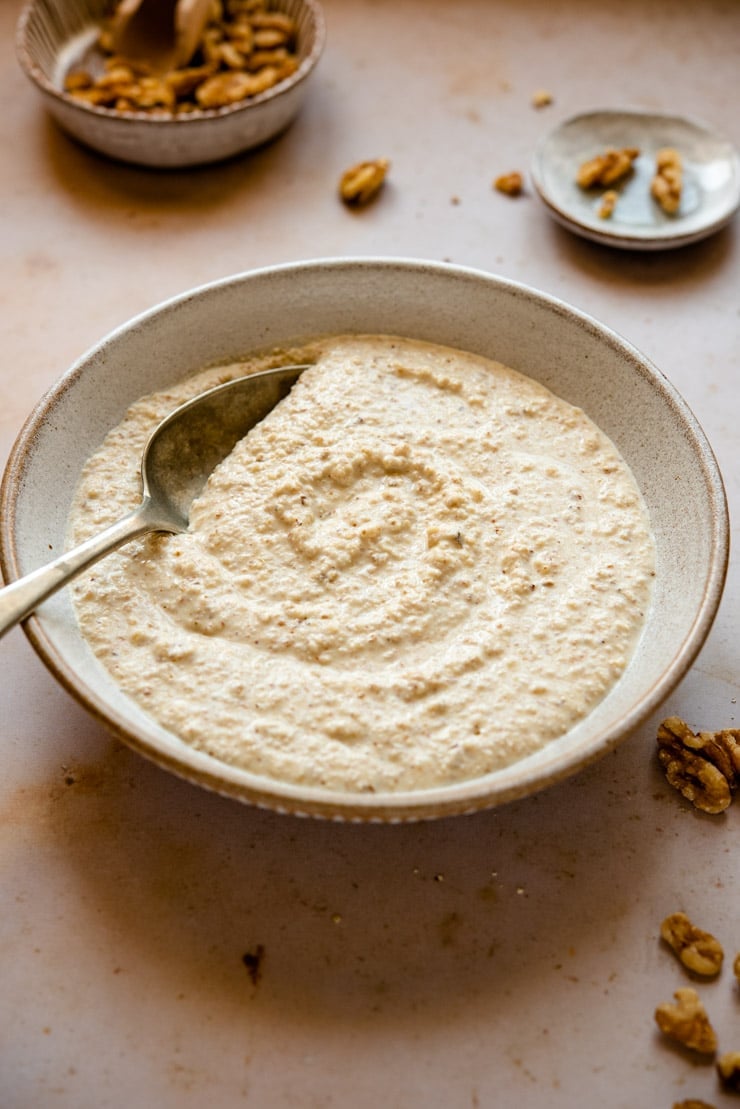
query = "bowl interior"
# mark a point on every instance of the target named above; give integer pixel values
(54, 38)
(571, 354)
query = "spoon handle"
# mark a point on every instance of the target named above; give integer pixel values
(21, 597)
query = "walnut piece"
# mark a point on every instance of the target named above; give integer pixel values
(667, 183)
(608, 203)
(692, 1103)
(736, 966)
(245, 49)
(703, 766)
(541, 98)
(607, 168)
(687, 1022)
(509, 183)
(699, 951)
(361, 183)
(728, 1068)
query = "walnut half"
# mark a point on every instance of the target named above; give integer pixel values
(667, 183)
(361, 183)
(606, 168)
(699, 951)
(687, 1022)
(703, 766)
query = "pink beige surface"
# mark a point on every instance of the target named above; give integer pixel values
(162, 946)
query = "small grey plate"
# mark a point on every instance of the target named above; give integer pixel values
(711, 179)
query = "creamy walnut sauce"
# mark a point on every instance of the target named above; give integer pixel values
(420, 567)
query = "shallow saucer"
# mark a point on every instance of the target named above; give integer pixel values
(711, 171)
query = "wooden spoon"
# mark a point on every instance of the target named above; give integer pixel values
(161, 34)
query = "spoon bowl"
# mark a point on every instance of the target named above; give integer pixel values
(178, 458)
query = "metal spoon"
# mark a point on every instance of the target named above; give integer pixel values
(163, 34)
(178, 458)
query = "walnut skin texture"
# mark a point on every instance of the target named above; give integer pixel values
(703, 766)
(699, 951)
(687, 1022)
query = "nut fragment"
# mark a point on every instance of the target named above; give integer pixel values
(245, 49)
(687, 1022)
(728, 1068)
(699, 951)
(703, 766)
(606, 168)
(541, 98)
(608, 203)
(361, 183)
(667, 183)
(736, 966)
(509, 183)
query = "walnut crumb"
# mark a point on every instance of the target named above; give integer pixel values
(703, 766)
(728, 1068)
(361, 183)
(699, 951)
(736, 966)
(509, 183)
(692, 1103)
(687, 1022)
(608, 203)
(606, 168)
(541, 98)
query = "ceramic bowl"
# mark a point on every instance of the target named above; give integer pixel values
(573, 355)
(53, 36)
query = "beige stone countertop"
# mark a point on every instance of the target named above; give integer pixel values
(163, 947)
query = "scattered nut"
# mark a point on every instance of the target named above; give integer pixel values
(509, 183)
(728, 1068)
(736, 966)
(541, 98)
(606, 168)
(361, 183)
(692, 1103)
(703, 766)
(687, 1022)
(699, 951)
(246, 48)
(608, 203)
(667, 183)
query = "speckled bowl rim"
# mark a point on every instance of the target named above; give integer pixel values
(468, 796)
(39, 78)
(613, 235)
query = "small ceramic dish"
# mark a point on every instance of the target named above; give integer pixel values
(570, 353)
(55, 37)
(711, 179)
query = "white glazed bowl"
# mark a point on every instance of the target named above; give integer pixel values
(579, 359)
(53, 35)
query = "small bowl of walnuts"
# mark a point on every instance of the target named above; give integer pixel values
(242, 86)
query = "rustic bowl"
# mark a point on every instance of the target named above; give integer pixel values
(54, 35)
(578, 358)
